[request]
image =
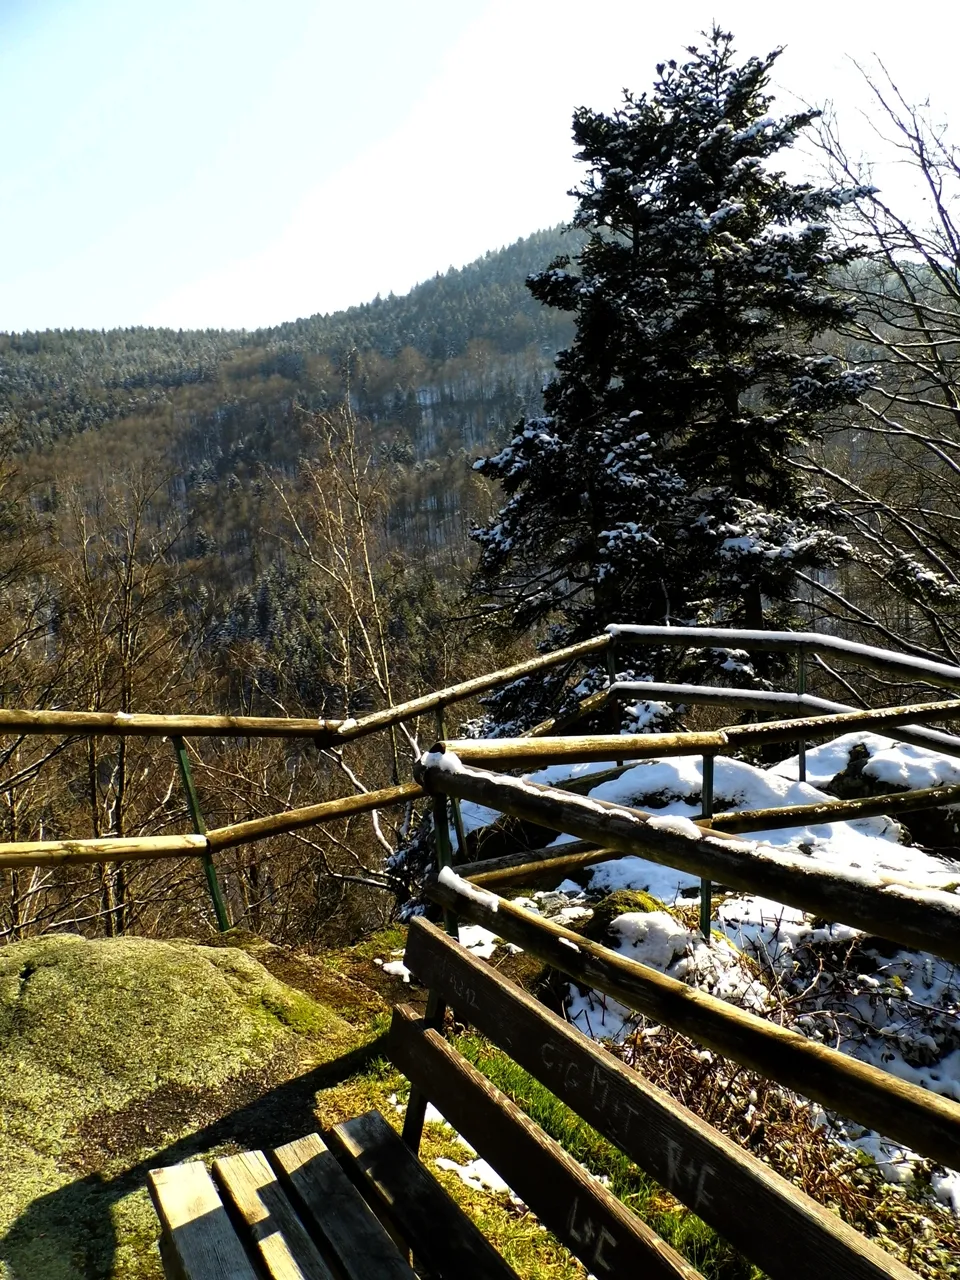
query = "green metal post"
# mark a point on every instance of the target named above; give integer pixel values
(200, 827)
(441, 727)
(802, 689)
(706, 811)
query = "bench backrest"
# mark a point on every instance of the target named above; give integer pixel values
(769, 1220)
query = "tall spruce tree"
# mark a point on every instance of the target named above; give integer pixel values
(657, 487)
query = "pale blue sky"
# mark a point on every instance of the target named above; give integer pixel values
(238, 163)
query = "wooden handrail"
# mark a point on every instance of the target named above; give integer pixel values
(586, 748)
(703, 1168)
(924, 670)
(55, 853)
(138, 725)
(277, 824)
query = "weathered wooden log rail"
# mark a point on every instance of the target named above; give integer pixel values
(868, 1095)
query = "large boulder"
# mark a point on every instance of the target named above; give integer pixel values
(109, 1050)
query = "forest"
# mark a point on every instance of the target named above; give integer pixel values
(294, 521)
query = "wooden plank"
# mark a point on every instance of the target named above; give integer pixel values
(874, 1098)
(520, 868)
(594, 1225)
(702, 1168)
(517, 868)
(328, 811)
(917, 735)
(926, 919)
(594, 702)
(443, 1239)
(831, 810)
(199, 1242)
(329, 1200)
(279, 1238)
(55, 853)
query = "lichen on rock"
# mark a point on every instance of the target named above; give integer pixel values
(95, 1030)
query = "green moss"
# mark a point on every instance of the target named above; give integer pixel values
(89, 1033)
(616, 904)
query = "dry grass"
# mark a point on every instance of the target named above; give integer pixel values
(778, 1128)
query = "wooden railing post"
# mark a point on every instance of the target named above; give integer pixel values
(436, 1007)
(200, 827)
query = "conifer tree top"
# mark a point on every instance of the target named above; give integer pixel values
(658, 485)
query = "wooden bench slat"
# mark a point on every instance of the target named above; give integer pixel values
(280, 1239)
(198, 1241)
(594, 1225)
(328, 1197)
(700, 1166)
(442, 1237)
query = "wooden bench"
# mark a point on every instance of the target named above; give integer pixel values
(360, 1202)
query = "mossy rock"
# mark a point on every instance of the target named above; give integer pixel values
(94, 1037)
(616, 904)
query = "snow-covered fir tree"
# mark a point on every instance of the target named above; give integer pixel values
(657, 487)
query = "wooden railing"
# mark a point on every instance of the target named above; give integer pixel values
(818, 718)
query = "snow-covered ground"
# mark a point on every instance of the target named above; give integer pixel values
(895, 1008)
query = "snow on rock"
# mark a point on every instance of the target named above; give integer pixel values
(894, 1008)
(946, 1187)
(867, 848)
(657, 939)
(653, 937)
(896, 763)
(395, 968)
(480, 941)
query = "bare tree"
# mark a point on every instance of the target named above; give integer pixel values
(893, 466)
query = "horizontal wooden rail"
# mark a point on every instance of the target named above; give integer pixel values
(507, 868)
(765, 700)
(329, 732)
(706, 1171)
(40, 853)
(55, 853)
(924, 670)
(577, 854)
(718, 695)
(160, 726)
(921, 1120)
(468, 689)
(277, 824)
(912, 915)
(831, 811)
(590, 748)
(585, 707)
